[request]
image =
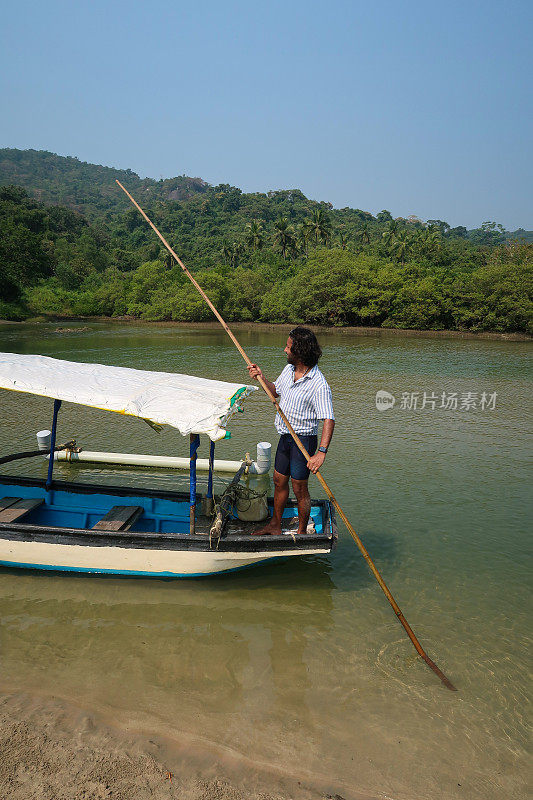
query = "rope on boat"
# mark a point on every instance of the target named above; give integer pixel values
(32, 453)
(233, 494)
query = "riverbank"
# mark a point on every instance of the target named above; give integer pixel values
(54, 750)
(266, 326)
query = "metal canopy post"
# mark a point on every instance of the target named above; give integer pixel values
(194, 445)
(209, 494)
(57, 406)
(211, 467)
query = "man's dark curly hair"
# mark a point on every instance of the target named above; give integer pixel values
(305, 346)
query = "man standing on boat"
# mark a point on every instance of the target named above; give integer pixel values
(305, 398)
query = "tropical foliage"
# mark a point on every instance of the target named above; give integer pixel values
(71, 245)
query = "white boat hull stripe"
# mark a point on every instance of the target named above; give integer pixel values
(44, 555)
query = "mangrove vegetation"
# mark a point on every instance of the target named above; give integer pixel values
(71, 246)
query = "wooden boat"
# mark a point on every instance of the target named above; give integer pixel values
(58, 525)
(129, 531)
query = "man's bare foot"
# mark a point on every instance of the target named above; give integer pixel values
(271, 529)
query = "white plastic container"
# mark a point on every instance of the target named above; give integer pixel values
(43, 440)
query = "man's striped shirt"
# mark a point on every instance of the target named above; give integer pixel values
(304, 401)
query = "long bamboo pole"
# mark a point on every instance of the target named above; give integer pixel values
(418, 647)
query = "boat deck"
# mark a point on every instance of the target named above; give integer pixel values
(88, 507)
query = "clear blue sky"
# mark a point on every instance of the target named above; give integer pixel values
(419, 108)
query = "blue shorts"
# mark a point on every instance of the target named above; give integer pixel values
(289, 460)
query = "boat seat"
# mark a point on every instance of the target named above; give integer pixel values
(13, 509)
(119, 518)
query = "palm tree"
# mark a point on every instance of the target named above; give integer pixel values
(427, 242)
(364, 234)
(419, 242)
(302, 238)
(284, 235)
(236, 251)
(434, 239)
(390, 232)
(401, 246)
(254, 234)
(320, 226)
(343, 237)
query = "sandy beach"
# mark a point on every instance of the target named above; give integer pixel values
(54, 750)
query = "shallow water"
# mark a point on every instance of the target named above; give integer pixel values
(303, 663)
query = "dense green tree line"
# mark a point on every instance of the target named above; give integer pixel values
(272, 257)
(333, 287)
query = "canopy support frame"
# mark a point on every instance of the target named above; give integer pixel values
(209, 494)
(193, 449)
(57, 406)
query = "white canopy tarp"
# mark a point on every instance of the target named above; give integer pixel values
(190, 404)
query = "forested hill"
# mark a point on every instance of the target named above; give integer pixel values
(72, 244)
(89, 188)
